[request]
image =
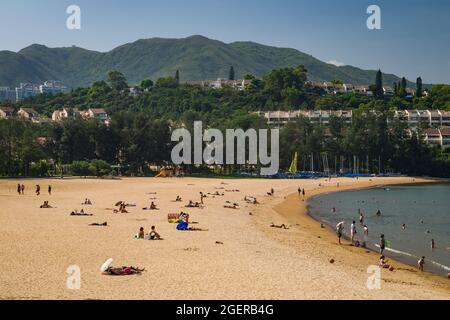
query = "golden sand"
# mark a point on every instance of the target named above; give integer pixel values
(251, 260)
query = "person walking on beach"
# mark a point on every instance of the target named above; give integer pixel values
(38, 190)
(303, 193)
(50, 190)
(353, 231)
(339, 230)
(421, 263)
(22, 187)
(382, 244)
(366, 235)
(299, 191)
(19, 189)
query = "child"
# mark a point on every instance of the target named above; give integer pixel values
(141, 233)
(421, 263)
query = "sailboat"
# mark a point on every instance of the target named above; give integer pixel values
(293, 168)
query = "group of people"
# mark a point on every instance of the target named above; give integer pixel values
(152, 235)
(21, 189)
(382, 242)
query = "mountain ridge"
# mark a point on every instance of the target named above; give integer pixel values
(197, 57)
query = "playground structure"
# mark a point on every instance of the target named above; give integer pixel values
(168, 172)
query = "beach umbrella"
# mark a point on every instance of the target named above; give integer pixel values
(108, 263)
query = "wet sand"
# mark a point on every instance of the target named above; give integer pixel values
(239, 257)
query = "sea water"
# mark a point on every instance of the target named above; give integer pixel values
(424, 209)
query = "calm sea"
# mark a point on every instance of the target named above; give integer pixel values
(424, 209)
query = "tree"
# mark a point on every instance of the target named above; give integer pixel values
(419, 87)
(146, 84)
(231, 75)
(379, 93)
(167, 82)
(177, 76)
(117, 81)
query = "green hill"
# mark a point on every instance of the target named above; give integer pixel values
(196, 57)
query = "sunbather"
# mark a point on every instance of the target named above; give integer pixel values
(104, 224)
(283, 226)
(124, 271)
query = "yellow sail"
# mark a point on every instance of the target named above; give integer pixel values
(293, 167)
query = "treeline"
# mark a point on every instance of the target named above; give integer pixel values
(134, 143)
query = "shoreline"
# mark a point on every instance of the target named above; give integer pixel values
(301, 215)
(407, 258)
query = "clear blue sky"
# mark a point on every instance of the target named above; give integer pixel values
(414, 40)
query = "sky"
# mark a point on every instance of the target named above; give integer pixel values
(414, 39)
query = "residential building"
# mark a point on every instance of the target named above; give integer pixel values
(52, 87)
(6, 113)
(445, 133)
(432, 136)
(66, 113)
(28, 114)
(99, 113)
(221, 83)
(7, 94)
(26, 90)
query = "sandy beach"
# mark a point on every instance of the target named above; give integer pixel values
(239, 257)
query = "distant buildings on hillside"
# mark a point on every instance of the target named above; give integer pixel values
(220, 83)
(26, 90)
(29, 114)
(413, 118)
(336, 88)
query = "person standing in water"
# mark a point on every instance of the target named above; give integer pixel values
(382, 244)
(361, 218)
(353, 231)
(433, 246)
(366, 235)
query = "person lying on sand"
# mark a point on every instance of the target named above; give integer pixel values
(124, 271)
(251, 200)
(231, 205)
(184, 226)
(46, 205)
(81, 214)
(104, 224)
(283, 226)
(193, 204)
